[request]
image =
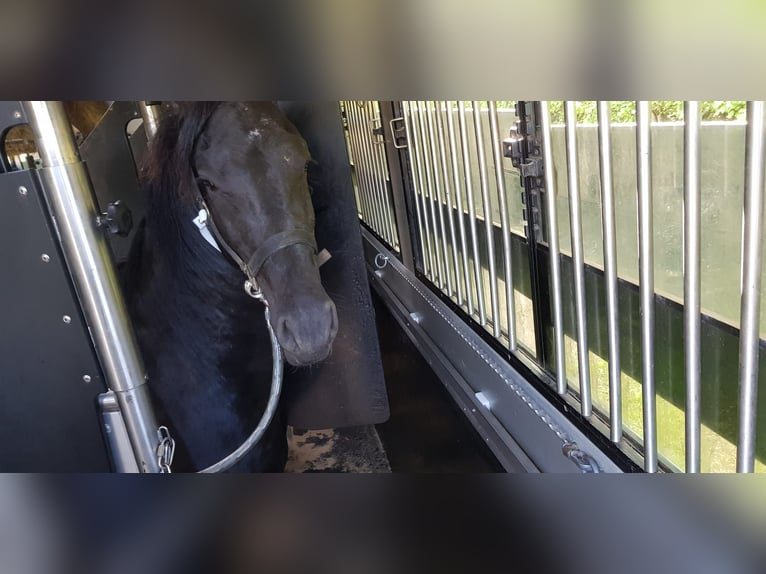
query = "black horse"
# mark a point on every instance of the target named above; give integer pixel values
(203, 339)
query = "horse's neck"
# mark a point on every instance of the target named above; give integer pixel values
(194, 283)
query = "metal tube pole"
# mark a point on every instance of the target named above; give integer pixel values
(431, 200)
(416, 140)
(70, 197)
(150, 112)
(437, 187)
(361, 175)
(553, 249)
(445, 178)
(752, 245)
(375, 195)
(646, 282)
(471, 213)
(497, 156)
(484, 183)
(366, 169)
(396, 181)
(610, 271)
(411, 145)
(692, 317)
(459, 203)
(578, 259)
(379, 165)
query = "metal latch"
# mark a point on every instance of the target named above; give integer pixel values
(398, 134)
(513, 149)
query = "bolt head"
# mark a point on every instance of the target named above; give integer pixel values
(22, 190)
(17, 114)
(86, 378)
(67, 319)
(45, 257)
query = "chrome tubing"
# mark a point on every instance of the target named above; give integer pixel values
(70, 198)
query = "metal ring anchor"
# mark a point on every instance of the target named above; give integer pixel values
(585, 462)
(380, 257)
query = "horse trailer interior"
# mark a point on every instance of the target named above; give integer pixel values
(518, 286)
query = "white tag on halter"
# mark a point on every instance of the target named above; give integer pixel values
(201, 222)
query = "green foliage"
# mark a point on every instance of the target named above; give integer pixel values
(662, 111)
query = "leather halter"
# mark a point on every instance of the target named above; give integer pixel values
(274, 243)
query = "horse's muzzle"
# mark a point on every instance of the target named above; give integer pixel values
(306, 334)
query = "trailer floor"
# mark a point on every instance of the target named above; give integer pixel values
(425, 433)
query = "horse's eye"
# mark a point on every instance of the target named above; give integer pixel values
(207, 184)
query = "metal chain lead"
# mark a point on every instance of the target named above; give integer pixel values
(165, 450)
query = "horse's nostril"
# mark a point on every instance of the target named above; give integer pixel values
(330, 308)
(307, 335)
(285, 335)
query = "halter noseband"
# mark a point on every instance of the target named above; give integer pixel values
(252, 266)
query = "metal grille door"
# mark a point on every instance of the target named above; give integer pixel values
(372, 185)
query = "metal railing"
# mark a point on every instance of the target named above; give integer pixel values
(628, 355)
(463, 202)
(371, 174)
(752, 242)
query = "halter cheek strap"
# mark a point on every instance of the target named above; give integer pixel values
(252, 267)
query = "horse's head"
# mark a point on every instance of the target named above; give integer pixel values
(251, 166)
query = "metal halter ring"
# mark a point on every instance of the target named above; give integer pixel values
(254, 290)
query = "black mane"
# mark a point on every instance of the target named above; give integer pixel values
(168, 160)
(170, 187)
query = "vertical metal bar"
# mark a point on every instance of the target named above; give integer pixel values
(381, 175)
(437, 187)
(396, 178)
(150, 113)
(431, 200)
(500, 178)
(459, 202)
(377, 221)
(385, 172)
(578, 260)
(416, 177)
(692, 317)
(610, 271)
(646, 282)
(752, 245)
(354, 151)
(445, 178)
(70, 197)
(553, 249)
(343, 106)
(380, 155)
(483, 180)
(471, 212)
(416, 141)
(363, 174)
(370, 164)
